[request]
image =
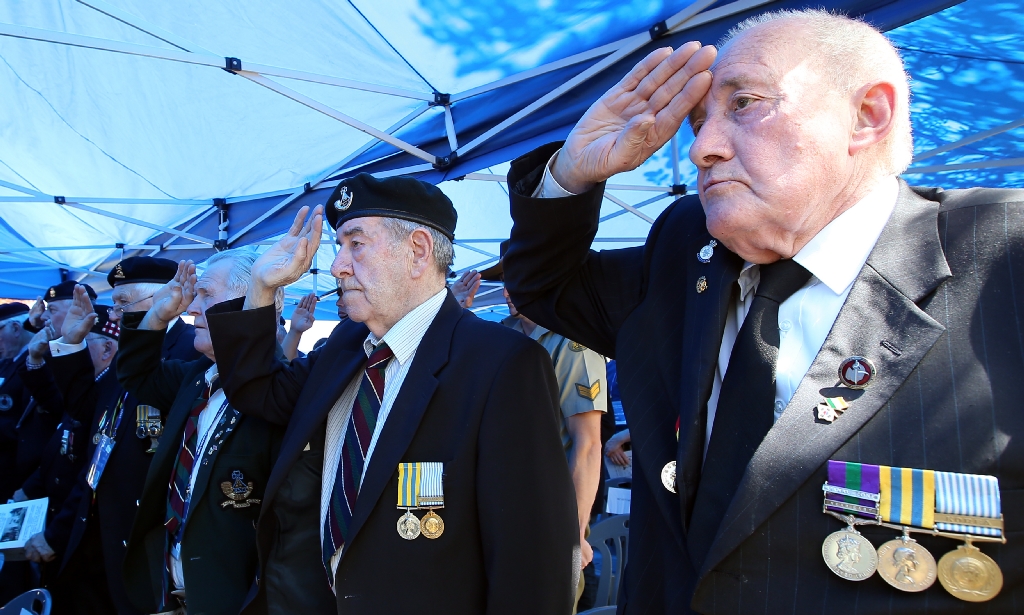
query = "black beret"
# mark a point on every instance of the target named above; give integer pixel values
(142, 269)
(392, 197)
(10, 310)
(66, 290)
(103, 325)
(494, 272)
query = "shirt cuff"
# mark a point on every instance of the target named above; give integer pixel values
(548, 187)
(59, 348)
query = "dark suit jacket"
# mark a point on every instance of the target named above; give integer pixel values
(218, 547)
(13, 400)
(116, 497)
(479, 398)
(938, 308)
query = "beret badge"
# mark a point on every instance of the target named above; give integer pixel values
(344, 199)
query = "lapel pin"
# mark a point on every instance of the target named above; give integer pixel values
(238, 491)
(702, 284)
(830, 409)
(707, 252)
(856, 372)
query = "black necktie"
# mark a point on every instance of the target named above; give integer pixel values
(746, 403)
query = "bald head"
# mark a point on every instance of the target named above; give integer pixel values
(847, 53)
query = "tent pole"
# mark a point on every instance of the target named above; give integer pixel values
(157, 227)
(21, 189)
(629, 208)
(674, 145)
(970, 139)
(637, 206)
(300, 191)
(981, 164)
(449, 127)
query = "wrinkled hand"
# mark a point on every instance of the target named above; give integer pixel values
(38, 551)
(39, 345)
(466, 287)
(292, 255)
(174, 297)
(586, 553)
(80, 317)
(302, 317)
(614, 451)
(37, 315)
(635, 117)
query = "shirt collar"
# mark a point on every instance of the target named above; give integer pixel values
(211, 374)
(838, 252)
(404, 338)
(516, 323)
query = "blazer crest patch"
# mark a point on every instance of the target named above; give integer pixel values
(589, 392)
(238, 491)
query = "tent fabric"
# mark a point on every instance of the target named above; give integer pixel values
(154, 142)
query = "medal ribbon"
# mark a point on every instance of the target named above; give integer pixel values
(973, 496)
(850, 476)
(908, 496)
(408, 484)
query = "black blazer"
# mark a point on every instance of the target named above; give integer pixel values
(218, 549)
(116, 498)
(938, 308)
(478, 397)
(13, 400)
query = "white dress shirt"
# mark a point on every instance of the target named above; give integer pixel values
(403, 339)
(835, 256)
(208, 419)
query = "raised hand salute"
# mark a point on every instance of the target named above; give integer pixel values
(80, 318)
(636, 117)
(172, 299)
(286, 260)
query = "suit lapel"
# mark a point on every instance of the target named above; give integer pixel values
(404, 419)
(881, 321)
(704, 322)
(338, 362)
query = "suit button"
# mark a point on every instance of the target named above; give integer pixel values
(779, 405)
(136, 503)
(124, 542)
(56, 481)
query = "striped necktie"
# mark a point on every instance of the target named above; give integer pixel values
(358, 434)
(181, 474)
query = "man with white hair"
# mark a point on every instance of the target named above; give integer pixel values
(193, 544)
(805, 257)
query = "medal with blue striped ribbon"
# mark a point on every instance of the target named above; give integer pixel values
(420, 485)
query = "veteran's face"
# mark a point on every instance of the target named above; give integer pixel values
(211, 288)
(771, 146)
(57, 310)
(373, 273)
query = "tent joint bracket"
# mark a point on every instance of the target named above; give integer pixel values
(221, 243)
(59, 200)
(658, 30)
(445, 162)
(678, 189)
(441, 100)
(232, 64)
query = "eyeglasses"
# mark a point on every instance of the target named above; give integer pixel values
(121, 309)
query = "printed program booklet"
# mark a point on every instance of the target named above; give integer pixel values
(20, 521)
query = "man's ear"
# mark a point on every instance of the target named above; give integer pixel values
(422, 250)
(875, 115)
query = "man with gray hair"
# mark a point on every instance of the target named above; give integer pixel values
(192, 547)
(422, 469)
(802, 258)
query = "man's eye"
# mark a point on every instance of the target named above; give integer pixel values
(696, 126)
(743, 102)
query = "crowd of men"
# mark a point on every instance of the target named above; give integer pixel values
(421, 459)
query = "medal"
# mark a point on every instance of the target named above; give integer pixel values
(707, 252)
(409, 526)
(856, 372)
(848, 554)
(969, 574)
(431, 525)
(668, 476)
(906, 565)
(702, 284)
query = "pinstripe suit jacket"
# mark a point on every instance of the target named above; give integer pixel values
(938, 308)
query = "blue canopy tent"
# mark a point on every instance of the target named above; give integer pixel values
(134, 127)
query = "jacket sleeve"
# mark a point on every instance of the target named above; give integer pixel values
(40, 383)
(551, 273)
(142, 372)
(255, 380)
(58, 530)
(535, 492)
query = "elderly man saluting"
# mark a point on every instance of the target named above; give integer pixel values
(406, 430)
(812, 339)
